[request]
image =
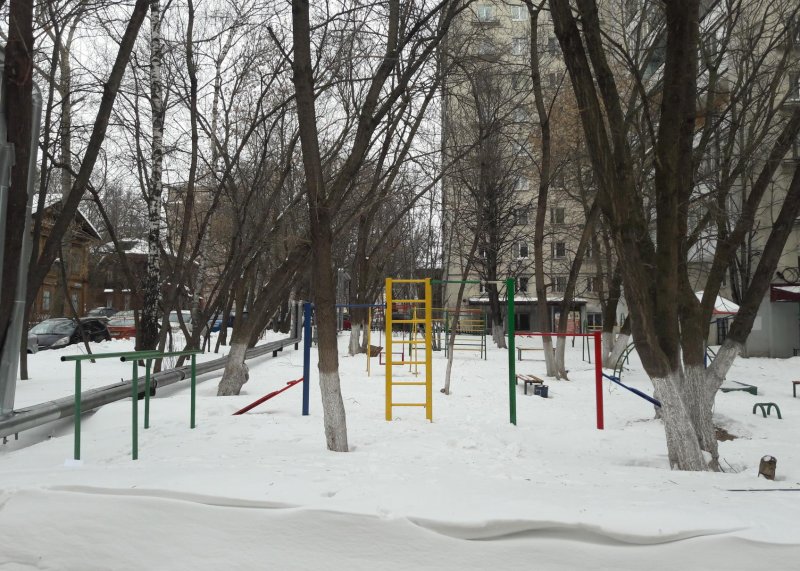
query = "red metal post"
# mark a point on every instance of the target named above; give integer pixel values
(598, 377)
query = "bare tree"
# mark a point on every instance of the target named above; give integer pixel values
(669, 324)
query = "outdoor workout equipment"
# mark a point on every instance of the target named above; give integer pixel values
(134, 357)
(425, 306)
(470, 330)
(633, 390)
(268, 396)
(598, 370)
(623, 358)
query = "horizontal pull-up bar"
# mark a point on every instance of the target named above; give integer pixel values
(555, 334)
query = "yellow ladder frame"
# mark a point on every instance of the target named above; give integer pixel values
(428, 383)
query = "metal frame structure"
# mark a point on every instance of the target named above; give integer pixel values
(426, 342)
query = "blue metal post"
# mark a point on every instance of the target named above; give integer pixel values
(306, 353)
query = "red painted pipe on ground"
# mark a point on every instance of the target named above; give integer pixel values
(265, 398)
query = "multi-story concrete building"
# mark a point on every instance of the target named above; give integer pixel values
(491, 132)
(492, 135)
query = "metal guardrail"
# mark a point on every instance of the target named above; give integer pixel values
(39, 414)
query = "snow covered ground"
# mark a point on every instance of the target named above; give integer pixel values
(468, 491)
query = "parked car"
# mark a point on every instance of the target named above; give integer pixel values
(174, 322)
(102, 312)
(62, 331)
(33, 343)
(215, 325)
(122, 325)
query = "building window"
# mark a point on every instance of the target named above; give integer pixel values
(46, 300)
(594, 321)
(519, 81)
(590, 284)
(522, 183)
(519, 250)
(74, 297)
(521, 217)
(519, 13)
(485, 13)
(518, 46)
(559, 250)
(558, 215)
(522, 284)
(486, 47)
(560, 284)
(552, 44)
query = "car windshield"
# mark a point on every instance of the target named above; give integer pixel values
(121, 322)
(54, 327)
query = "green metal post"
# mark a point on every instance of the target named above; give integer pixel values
(194, 385)
(512, 374)
(135, 411)
(77, 452)
(147, 393)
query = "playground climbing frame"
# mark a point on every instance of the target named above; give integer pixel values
(425, 306)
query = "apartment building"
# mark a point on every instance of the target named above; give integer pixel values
(493, 164)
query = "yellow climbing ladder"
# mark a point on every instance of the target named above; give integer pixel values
(412, 341)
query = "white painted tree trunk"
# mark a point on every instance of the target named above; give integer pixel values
(549, 356)
(561, 370)
(620, 344)
(608, 347)
(683, 446)
(499, 335)
(236, 371)
(355, 338)
(333, 411)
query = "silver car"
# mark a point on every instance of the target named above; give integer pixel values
(33, 343)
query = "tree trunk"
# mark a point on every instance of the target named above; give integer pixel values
(542, 309)
(355, 338)
(236, 372)
(151, 288)
(620, 343)
(18, 76)
(321, 235)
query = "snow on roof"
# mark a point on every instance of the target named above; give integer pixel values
(50, 200)
(129, 245)
(722, 306)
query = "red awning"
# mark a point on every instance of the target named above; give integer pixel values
(784, 293)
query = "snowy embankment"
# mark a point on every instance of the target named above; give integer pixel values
(260, 489)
